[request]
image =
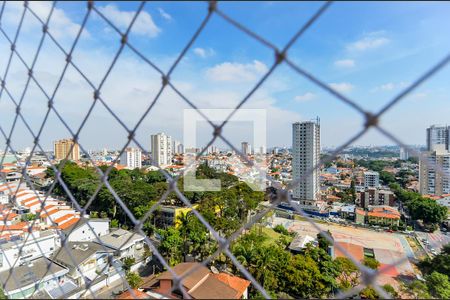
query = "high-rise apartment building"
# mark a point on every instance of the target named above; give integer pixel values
(62, 148)
(434, 173)
(245, 148)
(404, 154)
(162, 149)
(438, 138)
(131, 158)
(305, 157)
(177, 147)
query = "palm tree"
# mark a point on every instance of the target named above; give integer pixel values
(183, 220)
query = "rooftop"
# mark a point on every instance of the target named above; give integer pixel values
(26, 275)
(79, 252)
(121, 239)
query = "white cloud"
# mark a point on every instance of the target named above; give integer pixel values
(143, 25)
(60, 26)
(342, 87)
(369, 41)
(236, 72)
(308, 96)
(390, 86)
(164, 14)
(345, 63)
(203, 53)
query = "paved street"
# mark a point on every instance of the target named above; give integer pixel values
(436, 240)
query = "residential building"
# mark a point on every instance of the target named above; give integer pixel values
(162, 152)
(177, 147)
(438, 138)
(19, 250)
(305, 158)
(168, 215)
(374, 196)
(84, 230)
(66, 149)
(125, 243)
(404, 154)
(200, 283)
(246, 148)
(371, 179)
(434, 173)
(383, 215)
(84, 260)
(131, 158)
(39, 275)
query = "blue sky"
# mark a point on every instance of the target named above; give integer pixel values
(369, 51)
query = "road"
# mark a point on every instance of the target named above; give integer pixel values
(436, 239)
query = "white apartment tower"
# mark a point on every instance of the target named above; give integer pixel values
(371, 179)
(305, 157)
(404, 154)
(131, 158)
(162, 149)
(245, 148)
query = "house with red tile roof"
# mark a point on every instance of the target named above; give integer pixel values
(200, 283)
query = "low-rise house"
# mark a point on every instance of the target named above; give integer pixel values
(125, 243)
(383, 215)
(40, 179)
(85, 260)
(201, 283)
(8, 217)
(347, 212)
(20, 250)
(85, 229)
(39, 275)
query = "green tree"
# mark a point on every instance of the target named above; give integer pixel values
(128, 262)
(390, 290)
(387, 178)
(323, 242)
(183, 223)
(350, 274)
(281, 229)
(438, 285)
(416, 290)
(171, 245)
(114, 223)
(134, 280)
(440, 263)
(368, 293)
